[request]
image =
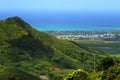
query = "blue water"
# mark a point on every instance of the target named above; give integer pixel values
(76, 27)
(61, 21)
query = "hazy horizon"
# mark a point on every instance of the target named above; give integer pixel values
(83, 12)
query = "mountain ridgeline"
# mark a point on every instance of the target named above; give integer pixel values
(28, 52)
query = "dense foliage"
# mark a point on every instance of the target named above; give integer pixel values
(36, 53)
(77, 75)
(108, 69)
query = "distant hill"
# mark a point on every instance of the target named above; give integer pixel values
(26, 49)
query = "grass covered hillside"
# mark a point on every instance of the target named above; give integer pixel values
(35, 53)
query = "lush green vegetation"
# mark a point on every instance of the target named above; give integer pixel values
(111, 47)
(30, 52)
(15, 74)
(108, 69)
(77, 75)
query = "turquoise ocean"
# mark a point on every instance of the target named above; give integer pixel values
(76, 27)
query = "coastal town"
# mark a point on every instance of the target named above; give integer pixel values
(86, 35)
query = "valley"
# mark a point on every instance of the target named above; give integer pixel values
(109, 47)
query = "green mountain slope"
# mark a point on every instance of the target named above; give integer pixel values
(14, 74)
(36, 53)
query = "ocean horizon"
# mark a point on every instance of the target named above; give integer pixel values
(75, 27)
(68, 21)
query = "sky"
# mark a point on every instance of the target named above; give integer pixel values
(81, 11)
(61, 5)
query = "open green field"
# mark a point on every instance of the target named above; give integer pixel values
(111, 47)
(115, 55)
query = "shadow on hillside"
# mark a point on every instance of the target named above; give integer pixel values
(32, 45)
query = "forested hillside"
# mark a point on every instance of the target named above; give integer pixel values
(26, 52)
(108, 69)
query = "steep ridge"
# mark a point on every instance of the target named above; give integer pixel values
(35, 52)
